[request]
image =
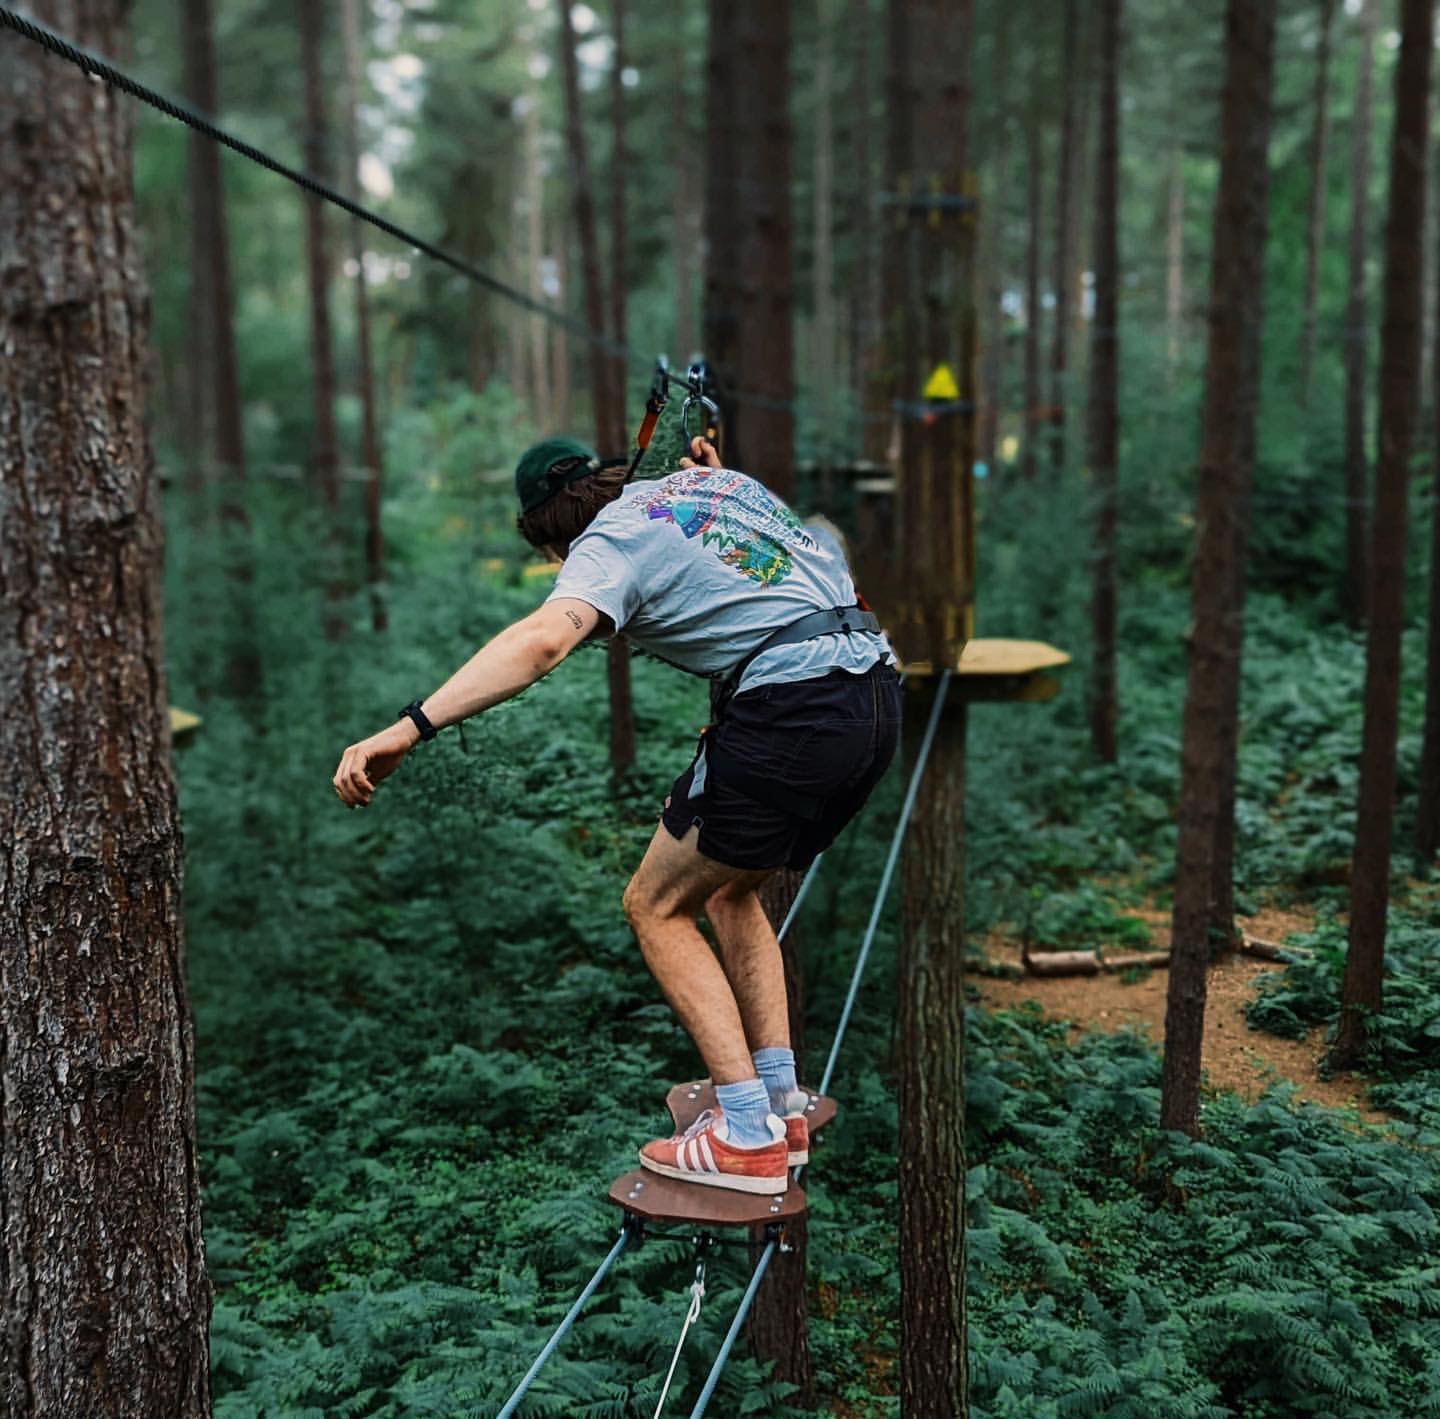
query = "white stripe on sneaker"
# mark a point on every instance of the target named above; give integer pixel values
(683, 1156)
(706, 1154)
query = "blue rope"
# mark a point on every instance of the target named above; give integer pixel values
(733, 1333)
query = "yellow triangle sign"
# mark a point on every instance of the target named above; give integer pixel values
(941, 384)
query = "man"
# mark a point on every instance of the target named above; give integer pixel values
(704, 568)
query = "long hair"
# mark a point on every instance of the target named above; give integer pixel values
(568, 511)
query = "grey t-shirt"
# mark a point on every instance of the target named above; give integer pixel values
(701, 566)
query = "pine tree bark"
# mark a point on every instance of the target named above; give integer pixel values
(866, 342)
(369, 423)
(749, 272)
(1315, 223)
(1034, 410)
(779, 1324)
(824, 328)
(1105, 391)
(103, 1285)
(1354, 587)
(1175, 262)
(219, 427)
(608, 397)
(325, 447)
(931, 58)
(537, 348)
(993, 262)
(1222, 536)
(1400, 343)
(1427, 807)
(1064, 239)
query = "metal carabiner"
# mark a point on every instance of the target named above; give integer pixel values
(697, 377)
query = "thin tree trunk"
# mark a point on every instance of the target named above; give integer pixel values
(993, 262)
(560, 365)
(103, 1286)
(610, 436)
(749, 277)
(622, 700)
(541, 379)
(325, 448)
(370, 434)
(865, 340)
(1034, 412)
(1399, 399)
(1315, 225)
(1105, 389)
(685, 222)
(1064, 240)
(1357, 330)
(779, 1326)
(931, 60)
(220, 432)
(1175, 262)
(824, 329)
(1222, 535)
(1427, 808)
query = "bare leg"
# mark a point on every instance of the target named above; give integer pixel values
(751, 955)
(667, 893)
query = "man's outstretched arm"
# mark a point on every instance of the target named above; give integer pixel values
(519, 656)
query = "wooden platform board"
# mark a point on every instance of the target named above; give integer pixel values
(661, 1199)
(687, 1102)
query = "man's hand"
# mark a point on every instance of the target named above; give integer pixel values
(363, 765)
(704, 450)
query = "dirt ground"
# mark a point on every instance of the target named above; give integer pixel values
(1235, 1056)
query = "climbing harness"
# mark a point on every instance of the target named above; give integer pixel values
(697, 1297)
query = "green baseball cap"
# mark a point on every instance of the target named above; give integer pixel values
(534, 481)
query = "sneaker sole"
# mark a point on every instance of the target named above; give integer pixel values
(734, 1182)
(798, 1160)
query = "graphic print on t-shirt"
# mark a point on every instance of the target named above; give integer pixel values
(750, 529)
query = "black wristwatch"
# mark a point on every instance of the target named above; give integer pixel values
(413, 710)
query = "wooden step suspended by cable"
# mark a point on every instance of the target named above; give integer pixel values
(652, 1197)
(1002, 669)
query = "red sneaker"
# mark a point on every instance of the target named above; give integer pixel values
(797, 1139)
(704, 1154)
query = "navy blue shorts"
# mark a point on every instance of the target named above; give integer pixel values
(787, 766)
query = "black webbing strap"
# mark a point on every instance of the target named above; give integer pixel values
(829, 621)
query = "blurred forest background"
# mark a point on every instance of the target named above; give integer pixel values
(424, 1034)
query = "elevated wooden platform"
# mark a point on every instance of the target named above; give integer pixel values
(655, 1198)
(1003, 670)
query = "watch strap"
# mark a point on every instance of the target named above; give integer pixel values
(415, 713)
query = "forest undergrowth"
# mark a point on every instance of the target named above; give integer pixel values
(426, 1042)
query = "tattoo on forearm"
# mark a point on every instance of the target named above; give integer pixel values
(575, 619)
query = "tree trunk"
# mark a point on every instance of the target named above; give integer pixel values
(1034, 412)
(1174, 262)
(824, 328)
(931, 59)
(1105, 389)
(933, 1378)
(1064, 241)
(103, 1285)
(1222, 535)
(610, 435)
(749, 278)
(779, 1325)
(1427, 808)
(1399, 399)
(685, 218)
(622, 698)
(866, 339)
(993, 263)
(541, 380)
(370, 453)
(219, 429)
(1354, 589)
(325, 448)
(1315, 226)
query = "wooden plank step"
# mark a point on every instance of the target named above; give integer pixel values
(660, 1199)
